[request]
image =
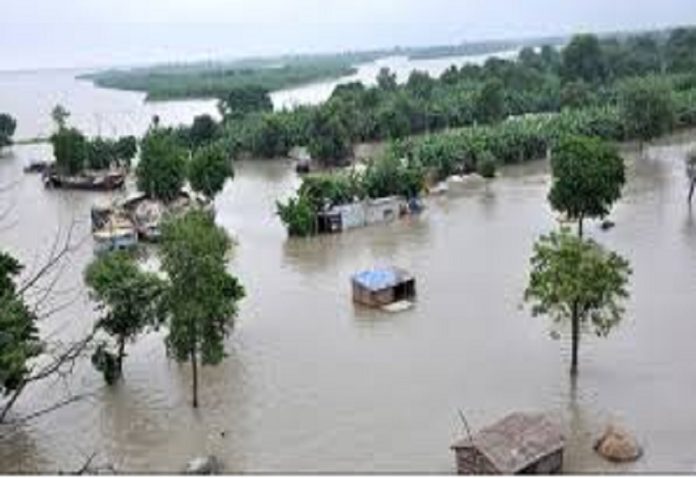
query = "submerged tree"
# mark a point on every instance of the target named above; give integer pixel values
(60, 116)
(161, 171)
(209, 169)
(7, 129)
(691, 173)
(577, 281)
(647, 108)
(202, 296)
(71, 150)
(587, 176)
(131, 300)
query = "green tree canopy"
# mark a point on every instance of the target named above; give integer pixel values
(126, 149)
(681, 50)
(71, 150)
(490, 102)
(244, 100)
(209, 169)
(583, 59)
(386, 80)
(7, 129)
(577, 94)
(204, 130)
(647, 108)
(60, 116)
(202, 296)
(19, 335)
(577, 281)
(131, 300)
(329, 138)
(587, 177)
(161, 171)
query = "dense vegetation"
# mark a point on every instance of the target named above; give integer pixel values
(595, 84)
(74, 152)
(217, 81)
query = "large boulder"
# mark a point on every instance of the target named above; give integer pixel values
(618, 445)
(204, 465)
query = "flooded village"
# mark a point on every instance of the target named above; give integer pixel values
(298, 280)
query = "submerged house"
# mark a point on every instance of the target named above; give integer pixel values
(518, 444)
(361, 213)
(381, 287)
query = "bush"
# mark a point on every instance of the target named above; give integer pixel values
(486, 165)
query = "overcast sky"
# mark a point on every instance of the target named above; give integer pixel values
(66, 33)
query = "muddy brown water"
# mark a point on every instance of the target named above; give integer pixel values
(313, 383)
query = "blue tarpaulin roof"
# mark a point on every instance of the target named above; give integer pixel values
(381, 278)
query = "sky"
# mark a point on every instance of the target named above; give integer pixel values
(97, 33)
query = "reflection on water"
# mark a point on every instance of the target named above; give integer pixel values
(313, 383)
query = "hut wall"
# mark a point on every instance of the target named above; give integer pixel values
(472, 462)
(382, 210)
(352, 215)
(550, 464)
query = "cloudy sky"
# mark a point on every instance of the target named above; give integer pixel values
(67, 33)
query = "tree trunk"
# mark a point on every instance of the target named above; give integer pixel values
(194, 368)
(121, 354)
(692, 186)
(576, 340)
(11, 402)
(580, 230)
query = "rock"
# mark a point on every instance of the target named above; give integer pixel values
(618, 446)
(204, 465)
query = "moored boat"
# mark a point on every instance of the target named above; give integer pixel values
(90, 181)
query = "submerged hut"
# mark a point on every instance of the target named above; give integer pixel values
(518, 444)
(380, 287)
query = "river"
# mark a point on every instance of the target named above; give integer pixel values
(313, 383)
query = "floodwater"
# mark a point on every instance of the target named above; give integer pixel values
(313, 383)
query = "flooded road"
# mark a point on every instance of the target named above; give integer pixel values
(313, 383)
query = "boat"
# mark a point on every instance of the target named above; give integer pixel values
(37, 166)
(117, 234)
(88, 180)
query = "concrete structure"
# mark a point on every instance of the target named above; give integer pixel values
(519, 444)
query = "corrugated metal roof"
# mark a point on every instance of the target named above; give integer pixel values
(516, 441)
(381, 278)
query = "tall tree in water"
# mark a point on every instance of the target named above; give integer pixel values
(60, 116)
(691, 172)
(209, 169)
(202, 296)
(587, 177)
(130, 299)
(71, 150)
(161, 171)
(577, 281)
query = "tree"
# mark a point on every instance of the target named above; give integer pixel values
(647, 108)
(7, 129)
(101, 153)
(329, 138)
(576, 94)
(298, 215)
(161, 171)
(243, 100)
(587, 177)
(126, 149)
(420, 85)
(70, 148)
(691, 172)
(19, 334)
(680, 50)
(204, 130)
(386, 80)
(490, 102)
(60, 115)
(202, 296)
(131, 300)
(209, 169)
(577, 280)
(583, 60)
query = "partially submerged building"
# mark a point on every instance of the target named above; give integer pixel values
(381, 287)
(521, 443)
(362, 213)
